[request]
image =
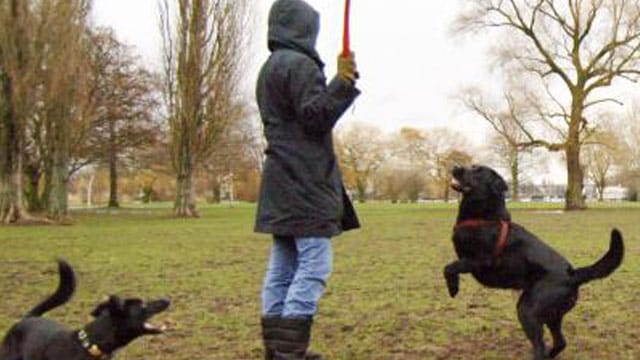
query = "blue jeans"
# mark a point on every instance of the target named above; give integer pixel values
(296, 276)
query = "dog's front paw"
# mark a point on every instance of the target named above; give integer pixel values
(453, 281)
(453, 286)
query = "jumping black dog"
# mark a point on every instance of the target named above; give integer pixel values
(502, 254)
(116, 323)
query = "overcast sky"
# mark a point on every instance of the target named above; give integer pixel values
(411, 66)
(409, 63)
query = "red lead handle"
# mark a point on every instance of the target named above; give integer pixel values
(346, 48)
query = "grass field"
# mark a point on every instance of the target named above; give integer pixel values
(386, 299)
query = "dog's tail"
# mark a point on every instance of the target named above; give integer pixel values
(63, 293)
(603, 267)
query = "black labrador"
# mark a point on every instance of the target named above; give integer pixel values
(502, 254)
(116, 323)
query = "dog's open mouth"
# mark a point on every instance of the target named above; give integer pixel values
(153, 328)
(455, 185)
(154, 308)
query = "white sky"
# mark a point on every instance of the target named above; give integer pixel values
(411, 66)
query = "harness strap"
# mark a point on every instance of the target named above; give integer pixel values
(503, 231)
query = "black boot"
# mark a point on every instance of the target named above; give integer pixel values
(291, 340)
(269, 334)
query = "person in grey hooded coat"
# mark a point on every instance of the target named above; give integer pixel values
(302, 200)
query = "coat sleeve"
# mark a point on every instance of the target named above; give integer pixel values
(318, 105)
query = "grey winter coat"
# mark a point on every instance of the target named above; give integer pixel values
(301, 194)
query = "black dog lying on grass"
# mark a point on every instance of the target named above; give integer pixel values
(501, 254)
(117, 322)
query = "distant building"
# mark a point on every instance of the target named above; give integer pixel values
(615, 193)
(543, 192)
(611, 193)
(556, 193)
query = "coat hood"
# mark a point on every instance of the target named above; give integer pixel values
(294, 24)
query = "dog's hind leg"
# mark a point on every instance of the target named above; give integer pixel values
(532, 326)
(559, 342)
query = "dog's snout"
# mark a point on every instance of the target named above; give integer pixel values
(457, 170)
(158, 306)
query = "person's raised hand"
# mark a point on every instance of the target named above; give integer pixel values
(347, 68)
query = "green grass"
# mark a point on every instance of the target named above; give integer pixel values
(386, 298)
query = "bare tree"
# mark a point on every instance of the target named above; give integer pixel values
(16, 66)
(407, 167)
(577, 46)
(411, 145)
(519, 163)
(362, 149)
(628, 135)
(421, 155)
(64, 76)
(506, 120)
(123, 104)
(42, 62)
(598, 163)
(203, 63)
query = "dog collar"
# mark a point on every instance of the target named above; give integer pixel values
(92, 349)
(502, 235)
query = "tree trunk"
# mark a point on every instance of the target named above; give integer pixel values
(113, 184)
(33, 186)
(574, 199)
(575, 178)
(90, 189)
(11, 158)
(11, 205)
(362, 190)
(113, 168)
(48, 176)
(58, 199)
(216, 189)
(58, 207)
(185, 204)
(600, 186)
(11, 208)
(515, 176)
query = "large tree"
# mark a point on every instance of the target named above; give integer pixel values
(123, 104)
(45, 69)
(64, 76)
(203, 64)
(15, 67)
(573, 49)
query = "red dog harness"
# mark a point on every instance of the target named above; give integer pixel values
(502, 235)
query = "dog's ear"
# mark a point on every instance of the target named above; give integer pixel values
(498, 185)
(99, 309)
(113, 304)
